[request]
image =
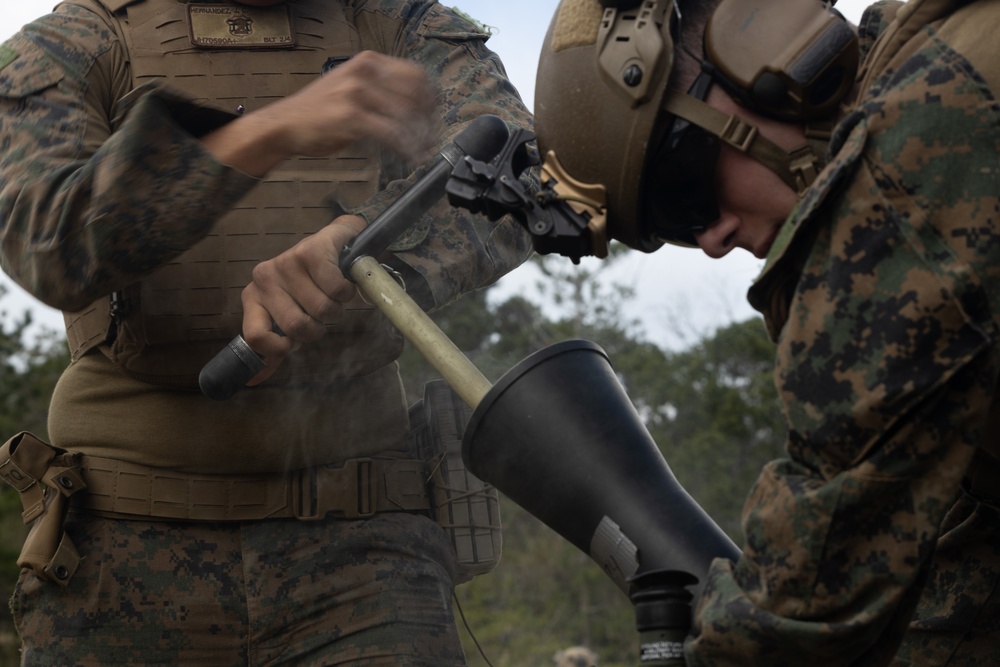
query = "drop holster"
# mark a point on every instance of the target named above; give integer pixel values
(45, 477)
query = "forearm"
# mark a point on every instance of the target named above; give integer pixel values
(251, 145)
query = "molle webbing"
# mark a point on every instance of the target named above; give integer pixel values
(356, 489)
(169, 325)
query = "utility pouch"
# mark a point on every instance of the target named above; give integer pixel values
(45, 477)
(466, 507)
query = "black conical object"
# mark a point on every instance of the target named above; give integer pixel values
(559, 436)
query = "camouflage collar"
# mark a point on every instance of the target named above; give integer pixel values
(772, 289)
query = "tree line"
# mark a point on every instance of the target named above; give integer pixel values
(711, 408)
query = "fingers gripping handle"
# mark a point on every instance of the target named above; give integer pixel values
(229, 370)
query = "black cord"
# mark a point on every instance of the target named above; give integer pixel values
(458, 606)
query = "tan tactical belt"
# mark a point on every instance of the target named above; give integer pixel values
(50, 481)
(357, 489)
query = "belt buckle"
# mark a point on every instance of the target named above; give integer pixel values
(367, 489)
(304, 505)
(350, 491)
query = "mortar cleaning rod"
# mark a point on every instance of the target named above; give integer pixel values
(382, 291)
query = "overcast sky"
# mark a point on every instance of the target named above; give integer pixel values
(678, 288)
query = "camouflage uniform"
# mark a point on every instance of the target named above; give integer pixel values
(882, 293)
(102, 185)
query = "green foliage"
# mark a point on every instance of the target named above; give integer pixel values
(714, 411)
(30, 363)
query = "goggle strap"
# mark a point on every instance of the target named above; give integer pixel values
(796, 168)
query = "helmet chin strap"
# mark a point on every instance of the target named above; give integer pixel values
(797, 168)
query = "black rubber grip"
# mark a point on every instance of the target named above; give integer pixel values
(229, 370)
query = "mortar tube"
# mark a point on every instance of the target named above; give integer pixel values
(379, 288)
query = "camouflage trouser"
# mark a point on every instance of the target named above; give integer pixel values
(957, 621)
(334, 592)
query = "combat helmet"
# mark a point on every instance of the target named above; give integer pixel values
(610, 127)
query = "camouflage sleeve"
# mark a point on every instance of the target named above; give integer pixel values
(887, 367)
(88, 205)
(452, 250)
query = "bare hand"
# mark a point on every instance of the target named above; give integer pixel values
(371, 96)
(300, 291)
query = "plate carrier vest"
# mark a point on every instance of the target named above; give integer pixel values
(165, 328)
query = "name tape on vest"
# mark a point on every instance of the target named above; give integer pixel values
(240, 27)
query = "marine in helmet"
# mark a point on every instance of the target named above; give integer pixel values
(862, 164)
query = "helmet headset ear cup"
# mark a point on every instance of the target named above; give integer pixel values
(789, 59)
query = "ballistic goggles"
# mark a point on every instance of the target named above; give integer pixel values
(679, 192)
